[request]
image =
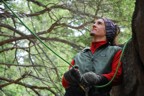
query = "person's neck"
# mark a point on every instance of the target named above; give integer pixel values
(98, 39)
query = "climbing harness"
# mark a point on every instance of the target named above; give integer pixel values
(86, 91)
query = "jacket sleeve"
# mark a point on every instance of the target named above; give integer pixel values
(65, 83)
(115, 62)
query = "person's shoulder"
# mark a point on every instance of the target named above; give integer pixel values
(85, 49)
(115, 47)
(81, 52)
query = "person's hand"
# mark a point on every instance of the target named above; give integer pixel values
(73, 75)
(90, 79)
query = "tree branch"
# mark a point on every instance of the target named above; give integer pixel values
(32, 87)
(43, 38)
(25, 65)
(12, 81)
(11, 28)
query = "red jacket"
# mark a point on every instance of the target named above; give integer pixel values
(117, 79)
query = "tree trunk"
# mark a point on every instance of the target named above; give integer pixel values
(133, 58)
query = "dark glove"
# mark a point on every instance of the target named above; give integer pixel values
(90, 79)
(73, 75)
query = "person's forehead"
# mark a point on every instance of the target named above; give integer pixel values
(100, 20)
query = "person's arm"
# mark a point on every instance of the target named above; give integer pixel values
(65, 83)
(115, 63)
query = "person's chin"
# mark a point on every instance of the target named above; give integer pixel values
(92, 34)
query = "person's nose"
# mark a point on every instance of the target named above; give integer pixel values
(94, 25)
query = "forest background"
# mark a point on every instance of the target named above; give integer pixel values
(27, 67)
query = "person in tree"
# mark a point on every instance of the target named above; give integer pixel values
(97, 64)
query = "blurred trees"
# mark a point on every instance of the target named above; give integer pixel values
(27, 68)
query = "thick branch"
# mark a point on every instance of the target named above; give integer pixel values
(11, 28)
(37, 3)
(43, 38)
(12, 81)
(45, 10)
(25, 65)
(76, 27)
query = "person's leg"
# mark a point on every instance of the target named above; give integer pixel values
(74, 91)
(96, 92)
(93, 92)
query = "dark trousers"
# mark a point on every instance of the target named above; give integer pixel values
(74, 91)
(77, 91)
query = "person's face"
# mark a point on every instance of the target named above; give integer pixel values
(98, 28)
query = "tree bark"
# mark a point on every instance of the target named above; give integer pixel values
(133, 58)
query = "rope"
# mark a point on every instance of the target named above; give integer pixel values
(101, 86)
